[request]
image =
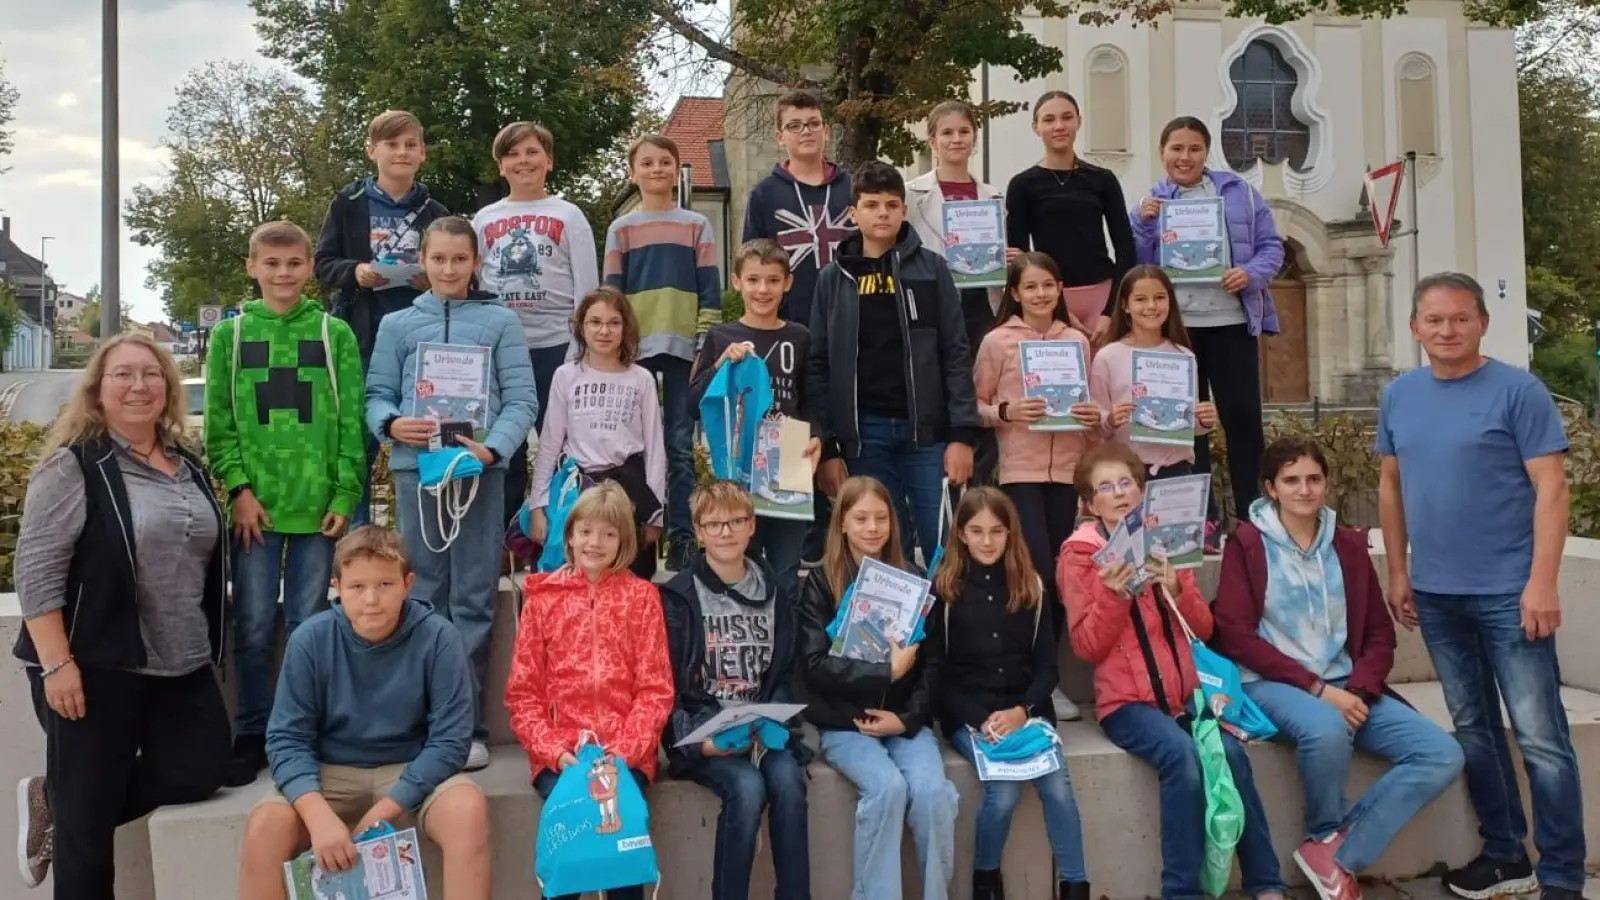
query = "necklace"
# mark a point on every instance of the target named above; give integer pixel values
(145, 456)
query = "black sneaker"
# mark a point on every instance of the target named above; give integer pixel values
(248, 759)
(1486, 877)
(1559, 893)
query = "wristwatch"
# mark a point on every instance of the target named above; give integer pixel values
(1001, 411)
(237, 490)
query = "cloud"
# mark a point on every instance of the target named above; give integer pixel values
(67, 100)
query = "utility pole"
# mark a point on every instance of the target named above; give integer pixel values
(110, 174)
(44, 280)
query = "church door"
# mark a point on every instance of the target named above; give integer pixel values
(1285, 358)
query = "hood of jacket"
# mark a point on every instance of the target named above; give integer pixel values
(1166, 188)
(1017, 329)
(1305, 613)
(306, 306)
(428, 302)
(415, 198)
(681, 589)
(831, 173)
(853, 255)
(1086, 540)
(411, 618)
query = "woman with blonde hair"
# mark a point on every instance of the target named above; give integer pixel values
(120, 571)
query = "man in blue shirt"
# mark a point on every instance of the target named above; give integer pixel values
(1473, 473)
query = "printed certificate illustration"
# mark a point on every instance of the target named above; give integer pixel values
(734, 716)
(780, 474)
(395, 273)
(387, 868)
(1126, 544)
(1163, 398)
(1194, 239)
(1056, 372)
(453, 385)
(1175, 519)
(975, 242)
(1012, 769)
(885, 606)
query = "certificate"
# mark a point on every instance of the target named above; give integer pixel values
(780, 474)
(975, 242)
(1011, 770)
(886, 604)
(453, 385)
(1194, 239)
(734, 716)
(1126, 545)
(1055, 372)
(395, 273)
(388, 867)
(1175, 519)
(1163, 398)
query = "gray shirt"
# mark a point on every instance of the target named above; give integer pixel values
(1207, 305)
(738, 639)
(174, 533)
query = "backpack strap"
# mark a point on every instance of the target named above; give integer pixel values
(1148, 652)
(327, 360)
(233, 380)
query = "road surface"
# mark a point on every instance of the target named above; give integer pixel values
(38, 395)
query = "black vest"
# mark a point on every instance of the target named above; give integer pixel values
(102, 613)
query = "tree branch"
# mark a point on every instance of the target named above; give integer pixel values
(1528, 63)
(721, 51)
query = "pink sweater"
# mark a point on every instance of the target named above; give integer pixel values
(1026, 457)
(1111, 383)
(601, 419)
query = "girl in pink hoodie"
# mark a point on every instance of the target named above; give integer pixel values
(1036, 467)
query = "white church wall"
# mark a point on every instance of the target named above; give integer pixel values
(1337, 50)
(1497, 194)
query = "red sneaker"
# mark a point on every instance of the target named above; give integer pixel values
(1315, 858)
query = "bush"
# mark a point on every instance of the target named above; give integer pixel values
(1346, 440)
(732, 305)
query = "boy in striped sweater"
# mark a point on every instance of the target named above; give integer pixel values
(663, 256)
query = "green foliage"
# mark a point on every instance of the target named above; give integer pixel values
(10, 313)
(1346, 440)
(732, 305)
(8, 109)
(19, 448)
(1567, 366)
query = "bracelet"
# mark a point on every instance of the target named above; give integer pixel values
(57, 667)
(1321, 686)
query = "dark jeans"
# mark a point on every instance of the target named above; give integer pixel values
(1160, 741)
(145, 742)
(1228, 365)
(1048, 512)
(677, 422)
(912, 473)
(544, 783)
(781, 541)
(746, 792)
(546, 360)
(1483, 657)
(295, 566)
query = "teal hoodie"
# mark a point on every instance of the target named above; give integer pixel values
(345, 701)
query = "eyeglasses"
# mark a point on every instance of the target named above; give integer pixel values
(726, 527)
(804, 127)
(1120, 486)
(127, 378)
(603, 324)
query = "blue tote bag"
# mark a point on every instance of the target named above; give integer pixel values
(594, 830)
(565, 486)
(1224, 688)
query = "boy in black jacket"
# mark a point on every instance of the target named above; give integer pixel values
(889, 361)
(732, 639)
(379, 219)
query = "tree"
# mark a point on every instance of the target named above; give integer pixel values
(8, 107)
(466, 70)
(10, 314)
(89, 315)
(248, 146)
(1561, 191)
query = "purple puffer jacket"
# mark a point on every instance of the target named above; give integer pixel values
(1253, 242)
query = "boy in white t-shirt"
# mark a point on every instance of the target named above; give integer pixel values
(537, 253)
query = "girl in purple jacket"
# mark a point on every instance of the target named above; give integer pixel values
(1225, 320)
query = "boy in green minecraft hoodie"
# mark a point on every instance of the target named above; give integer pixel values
(284, 406)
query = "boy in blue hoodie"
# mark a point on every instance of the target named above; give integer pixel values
(378, 219)
(371, 724)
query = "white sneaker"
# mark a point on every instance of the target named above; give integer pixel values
(1066, 710)
(477, 757)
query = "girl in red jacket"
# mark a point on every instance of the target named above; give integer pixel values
(1299, 608)
(591, 652)
(1144, 677)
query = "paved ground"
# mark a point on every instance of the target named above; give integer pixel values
(1422, 889)
(37, 395)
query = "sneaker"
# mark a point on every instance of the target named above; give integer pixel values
(1066, 710)
(1213, 544)
(1486, 877)
(248, 759)
(1331, 881)
(35, 830)
(477, 757)
(1549, 892)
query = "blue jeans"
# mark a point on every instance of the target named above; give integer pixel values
(546, 360)
(544, 781)
(1000, 799)
(462, 583)
(1426, 760)
(1482, 656)
(746, 792)
(912, 474)
(1159, 740)
(898, 779)
(781, 541)
(677, 422)
(301, 564)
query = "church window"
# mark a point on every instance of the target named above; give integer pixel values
(1264, 123)
(1106, 110)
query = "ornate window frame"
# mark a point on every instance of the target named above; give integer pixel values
(1320, 162)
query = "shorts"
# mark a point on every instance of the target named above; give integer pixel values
(352, 790)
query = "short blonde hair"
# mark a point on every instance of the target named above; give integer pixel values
(370, 542)
(279, 234)
(608, 504)
(517, 132)
(720, 494)
(388, 125)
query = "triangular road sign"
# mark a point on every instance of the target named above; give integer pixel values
(1383, 196)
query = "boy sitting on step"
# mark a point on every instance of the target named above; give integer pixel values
(371, 723)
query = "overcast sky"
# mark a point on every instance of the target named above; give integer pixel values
(51, 50)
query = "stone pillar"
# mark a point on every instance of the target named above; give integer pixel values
(1380, 286)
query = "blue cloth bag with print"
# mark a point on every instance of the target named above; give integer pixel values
(738, 398)
(565, 487)
(1224, 688)
(594, 829)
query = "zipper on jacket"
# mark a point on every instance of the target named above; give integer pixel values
(905, 334)
(446, 320)
(594, 649)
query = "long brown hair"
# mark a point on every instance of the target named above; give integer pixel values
(83, 417)
(628, 352)
(838, 566)
(1009, 304)
(1022, 580)
(1122, 320)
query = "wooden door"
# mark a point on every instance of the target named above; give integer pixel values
(1285, 359)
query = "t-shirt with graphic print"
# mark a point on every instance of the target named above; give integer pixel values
(784, 349)
(600, 419)
(539, 257)
(738, 626)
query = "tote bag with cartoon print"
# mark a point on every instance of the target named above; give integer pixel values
(594, 830)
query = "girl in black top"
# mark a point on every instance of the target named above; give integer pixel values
(997, 669)
(1064, 207)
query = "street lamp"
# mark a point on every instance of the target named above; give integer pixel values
(110, 170)
(43, 282)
